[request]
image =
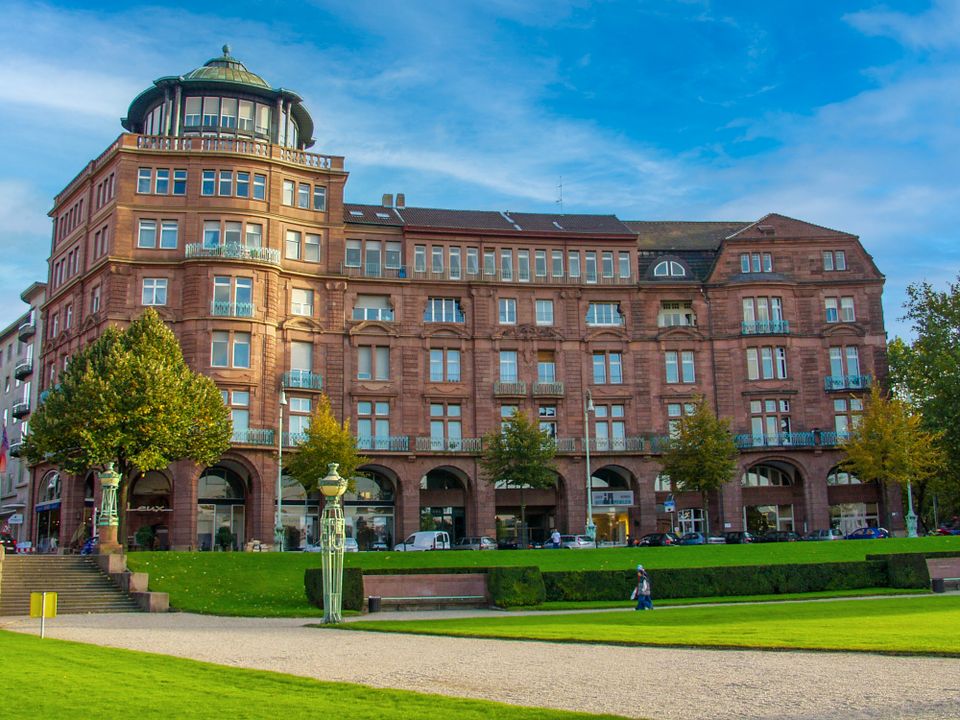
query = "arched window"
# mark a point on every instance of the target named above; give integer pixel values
(151, 490)
(765, 476)
(50, 487)
(440, 480)
(841, 477)
(376, 489)
(669, 268)
(220, 483)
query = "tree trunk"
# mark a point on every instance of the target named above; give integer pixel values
(122, 511)
(706, 513)
(523, 519)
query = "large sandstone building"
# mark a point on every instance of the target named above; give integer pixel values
(426, 327)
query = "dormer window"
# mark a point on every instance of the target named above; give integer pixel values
(669, 268)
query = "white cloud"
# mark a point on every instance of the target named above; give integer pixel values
(938, 28)
(25, 81)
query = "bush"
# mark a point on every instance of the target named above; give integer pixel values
(515, 586)
(352, 587)
(717, 581)
(907, 570)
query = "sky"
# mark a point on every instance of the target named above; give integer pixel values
(844, 114)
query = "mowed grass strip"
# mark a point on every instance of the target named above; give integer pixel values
(271, 584)
(58, 679)
(921, 625)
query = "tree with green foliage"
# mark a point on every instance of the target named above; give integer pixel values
(926, 374)
(889, 444)
(520, 455)
(129, 398)
(328, 441)
(701, 455)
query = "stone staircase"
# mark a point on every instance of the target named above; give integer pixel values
(80, 585)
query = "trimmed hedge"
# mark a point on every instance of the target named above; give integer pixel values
(516, 586)
(352, 587)
(718, 582)
(908, 570)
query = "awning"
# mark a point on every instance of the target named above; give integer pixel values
(49, 505)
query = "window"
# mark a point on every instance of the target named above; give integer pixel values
(391, 255)
(473, 262)
(254, 235)
(373, 363)
(609, 427)
(154, 291)
(169, 232)
(767, 363)
(162, 181)
(373, 307)
(547, 416)
(846, 310)
(845, 368)
(508, 311)
(590, 266)
(354, 254)
(259, 187)
(606, 264)
(523, 265)
(95, 300)
(573, 267)
(834, 260)
(373, 425)
(301, 302)
(607, 368)
(241, 350)
(299, 422)
(506, 264)
(679, 366)
(839, 309)
(756, 262)
(546, 366)
(544, 312)
(454, 263)
(208, 182)
(243, 184)
(436, 260)
(540, 263)
(301, 362)
(676, 314)
(147, 234)
(846, 415)
(556, 263)
(220, 351)
(669, 268)
(303, 196)
(143, 180)
(445, 427)
(420, 259)
(489, 263)
(68, 319)
(444, 365)
(179, 182)
(508, 366)
(225, 187)
(289, 188)
(320, 198)
(293, 245)
(770, 421)
(191, 113)
(604, 314)
(239, 403)
(220, 348)
(623, 263)
(675, 411)
(443, 310)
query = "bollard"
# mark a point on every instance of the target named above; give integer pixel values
(373, 604)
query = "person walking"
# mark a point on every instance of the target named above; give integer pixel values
(555, 538)
(643, 591)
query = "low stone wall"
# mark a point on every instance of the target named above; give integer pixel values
(426, 585)
(114, 565)
(943, 567)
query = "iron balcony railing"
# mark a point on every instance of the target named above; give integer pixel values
(766, 327)
(229, 309)
(847, 382)
(548, 389)
(23, 369)
(398, 443)
(19, 409)
(461, 445)
(566, 445)
(233, 251)
(303, 379)
(788, 439)
(832, 439)
(502, 388)
(253, 436)
(26, 330)
(237, 146)
(464, 275)
(15, 448)
(624, 444)
(371, 270)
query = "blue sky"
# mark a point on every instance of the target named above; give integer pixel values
(841, 113)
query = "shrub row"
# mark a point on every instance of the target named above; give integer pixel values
(352, 587)
(908, 570)
(516, 586)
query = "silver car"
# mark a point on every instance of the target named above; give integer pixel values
(476, 543)
(577, 542)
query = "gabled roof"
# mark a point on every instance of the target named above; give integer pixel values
(371, 215)
(682, 235)
(777, 225)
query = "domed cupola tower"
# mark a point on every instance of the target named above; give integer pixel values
(221, 99)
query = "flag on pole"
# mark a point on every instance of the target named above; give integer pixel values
(4, 449)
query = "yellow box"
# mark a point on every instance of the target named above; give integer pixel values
(43, 605)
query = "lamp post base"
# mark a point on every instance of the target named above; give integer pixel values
(108, 544)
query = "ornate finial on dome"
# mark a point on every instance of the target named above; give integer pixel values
(226, 51)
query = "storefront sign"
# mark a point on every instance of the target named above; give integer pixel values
(49, 505)
(621, 498)
(16, 519)
(669, 506)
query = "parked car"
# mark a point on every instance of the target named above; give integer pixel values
(868, 533)
(693, 538)
(739, 537)
(659, 540)
(425, 540)
(829, 534)
(9, 544)
(378, 545)
(349, 545)
(716, 540)
(778, 536)
(577, 542)
(475, 543)
(508, 544)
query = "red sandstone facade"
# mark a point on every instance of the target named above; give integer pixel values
(425, 327)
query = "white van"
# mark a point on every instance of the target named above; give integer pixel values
(426, 540)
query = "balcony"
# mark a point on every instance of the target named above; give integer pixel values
(23, 370)
(765, 327)
(496, 276)
(233, 251)
(790, 439)
(509, 389)
(457, 445)
(548, 389)
(398, 443)
(832, 383)
(229, 309)
(566, 445)
(26, 330)
(20, 409)
(236, 146)
(610, 445)
(302, 379)
(253, 436)
(832, 439)
(373, 271)
(15, 448)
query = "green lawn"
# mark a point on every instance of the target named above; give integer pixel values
(922, 625)
(271, 584)
(57, 679)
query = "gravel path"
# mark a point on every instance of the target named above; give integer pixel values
(659, 683)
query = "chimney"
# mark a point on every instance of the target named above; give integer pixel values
(401, 201)
(387, 200)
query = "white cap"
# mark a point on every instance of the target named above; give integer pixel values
(639, 567)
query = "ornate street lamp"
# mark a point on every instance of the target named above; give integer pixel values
(332, 534)
(109, 520)
(278, 533)
(591, 529)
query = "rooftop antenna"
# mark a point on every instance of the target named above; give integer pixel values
(560, 194)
